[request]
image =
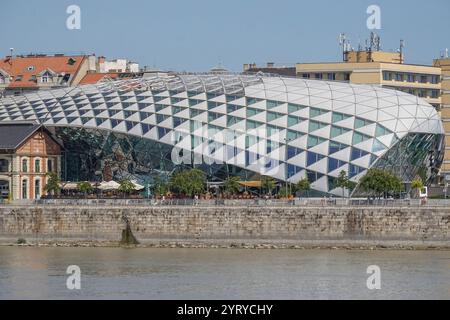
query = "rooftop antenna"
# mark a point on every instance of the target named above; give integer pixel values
(375, 42)
(345, 44)
(402, 46)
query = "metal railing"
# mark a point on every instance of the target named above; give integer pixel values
(297, 202)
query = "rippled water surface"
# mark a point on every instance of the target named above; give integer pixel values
(116, 273)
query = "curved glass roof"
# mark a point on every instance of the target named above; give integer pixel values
(307, 127)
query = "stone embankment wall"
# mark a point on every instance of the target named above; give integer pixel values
(225, 224)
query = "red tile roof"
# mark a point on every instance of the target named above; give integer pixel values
(21, 66)
(95, 77)
(91, 78)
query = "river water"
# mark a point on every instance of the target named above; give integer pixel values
(117, 273)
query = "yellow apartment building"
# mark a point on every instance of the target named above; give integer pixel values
(386, 69)
(444, 65)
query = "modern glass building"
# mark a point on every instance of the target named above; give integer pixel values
(246, 125)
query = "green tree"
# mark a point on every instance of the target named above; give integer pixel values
(377, 182)
(160, 187)
(189, 182)
(422, 174)
(285, 192)
(53, 185)
(232, 185)
(344, 182)
(84, 187)
(267, 184)
(126, 186)
(304, 185)
(416, 185)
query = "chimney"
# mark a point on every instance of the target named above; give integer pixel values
(101, 64)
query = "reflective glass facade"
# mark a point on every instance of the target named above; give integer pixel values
(249, 125)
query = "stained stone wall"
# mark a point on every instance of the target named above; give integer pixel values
(224, 223)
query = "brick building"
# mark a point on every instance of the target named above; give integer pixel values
(27, 153)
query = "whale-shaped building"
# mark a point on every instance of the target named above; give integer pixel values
(227, 124)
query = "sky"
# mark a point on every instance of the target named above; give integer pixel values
(196, 35)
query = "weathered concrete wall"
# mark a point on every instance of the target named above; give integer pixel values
(225, 223)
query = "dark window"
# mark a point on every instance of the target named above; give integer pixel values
(434, 94)
(37, 166)
(292, 170)
(333, 164)
(313, 158)
(387, 76)
(49, 165)
(24, 165)
(24, 189)
(37, 189)
(66, 77)
(435, 79)
(292, 152)
(335, 147)
(354, 170)
(4, 165)
(357, 153)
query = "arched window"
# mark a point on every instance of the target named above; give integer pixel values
(25, 189)
(24, 165)
(37, 165)
(37, 189)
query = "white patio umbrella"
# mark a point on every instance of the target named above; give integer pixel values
(137, 186)
(110, 185)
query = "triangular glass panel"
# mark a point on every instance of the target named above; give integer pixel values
(357, 153)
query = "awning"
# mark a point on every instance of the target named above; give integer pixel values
(252, 184)
(69, 185)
